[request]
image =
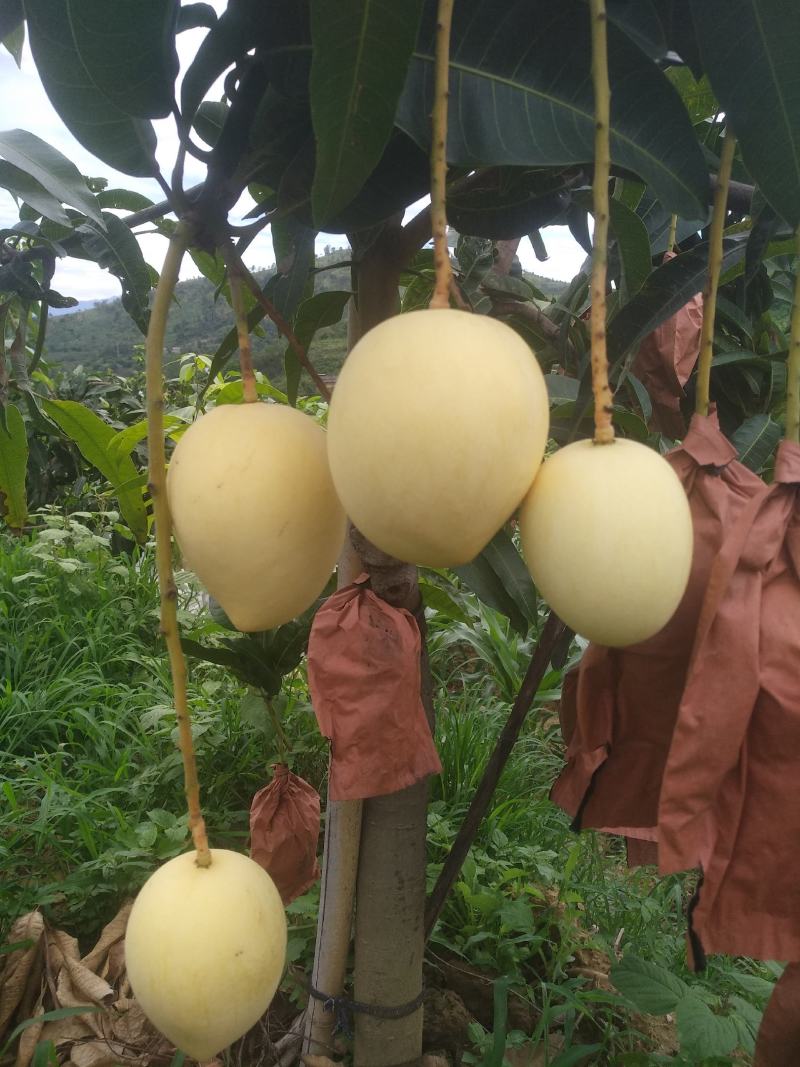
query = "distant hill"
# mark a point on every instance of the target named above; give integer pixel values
(102, 337)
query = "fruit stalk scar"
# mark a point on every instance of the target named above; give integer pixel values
(793, 366)
(603, 400)
(163, 528)
(242, 327)
(714, 270)
(441, 253)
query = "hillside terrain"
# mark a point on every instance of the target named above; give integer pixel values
(103, 337)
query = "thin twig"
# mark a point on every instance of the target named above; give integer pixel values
(242, 327)
(603, 400)
(158, 491)
(793, 366)
(282, 325)
(552, 632)
(673, 230)
(714, 269)
(441, 253)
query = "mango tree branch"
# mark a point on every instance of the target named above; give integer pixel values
(552, 632)
(242, 328)
(714, 268)
(281, 323)
(441, 253)
(793, 365)
(158, 491)
(603, 400)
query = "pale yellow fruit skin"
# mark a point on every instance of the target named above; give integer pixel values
(607, 536)
(437, 427)
(205, 949)
(255, 511)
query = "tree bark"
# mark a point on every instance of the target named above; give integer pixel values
(390, 893)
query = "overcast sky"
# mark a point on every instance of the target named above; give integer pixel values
(24, 104)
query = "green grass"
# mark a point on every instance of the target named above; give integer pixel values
(91, 793)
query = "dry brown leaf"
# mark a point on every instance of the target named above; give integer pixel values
(319, 1061)
(29, 1038)
(86, 985)
(20, 964)
(65, 1031)
(429, 1060)
(111, 934)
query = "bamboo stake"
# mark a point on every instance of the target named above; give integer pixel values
(157, 487)
(242, 329)
(793, 364)
(603, 400)
(714, 269)
(441, 253)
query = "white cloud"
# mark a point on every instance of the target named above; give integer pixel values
(24, 104)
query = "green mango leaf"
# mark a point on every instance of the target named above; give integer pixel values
(648, 987)
(509, 202)
(11, 17)
(749, 49)
(322, 309)
(228, 39)
(641, 21)
(52, 170)
(666, 290)
(108, 132)
(93, 437)
(755, 441)
(293, 244)
(194, 16)
(500, 579)
(438, 599)
(124, 441)
(123, 199)
(13, 468)
(360, 53)
(117, 250)
(209, 120)
(129, 59)
(633, 246)
(14, 42)
(26, 188)
(697, 95)
(702, 1033)
(513, 99)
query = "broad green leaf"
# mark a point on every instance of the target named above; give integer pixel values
(437, 598)
(749, 49)
(227, 40)
(96, 122)
(755, 441)
(13, 468)
(322, 309)
(650, 988)
(129, 59)
(209, 120)
(117, 250)
(360, 54)
(756, 987)
(514, 99)
(640, 20)
(26, 188)
(123, 199)
(500, 579)
(124, 441)
(294, 259)
(509, 202)
(698, 96)
(666, 290)
(560, 387)
(633, 246)
(46, 165)
(14, 42)
(193, 16)
(11, 17)
(92, 437)
(702, 1033)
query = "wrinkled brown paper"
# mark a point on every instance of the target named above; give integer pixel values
(665, 361)
(364, 677)
(620, 707)
(284, 832)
